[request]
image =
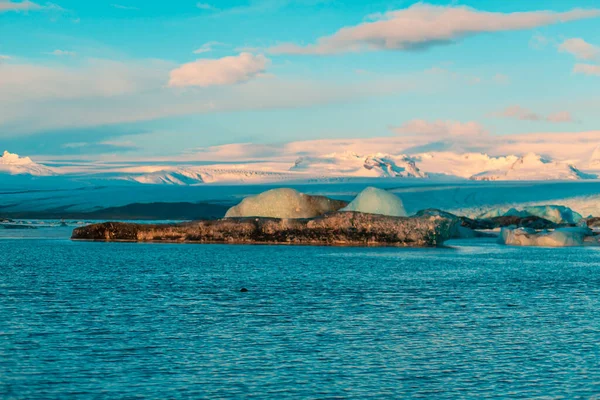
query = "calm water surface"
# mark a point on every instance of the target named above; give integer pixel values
(102, 320)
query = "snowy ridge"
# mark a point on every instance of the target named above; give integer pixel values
(321, 167)
(353, 165)
(197, 176)
(595, 159)
(533, 167)
(15, 165)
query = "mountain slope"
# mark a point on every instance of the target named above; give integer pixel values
(533, 167)
(353, 165)
(15, 165)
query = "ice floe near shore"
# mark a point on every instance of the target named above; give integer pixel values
(553, 213)
(562, 237)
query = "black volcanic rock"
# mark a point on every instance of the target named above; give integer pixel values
(532, 222)
(341, 229)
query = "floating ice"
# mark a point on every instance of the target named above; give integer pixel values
(556, 214)
(377, 201)
(284, 203)
(562, 237)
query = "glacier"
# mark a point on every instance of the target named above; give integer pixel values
(377, 201)
(284, 203)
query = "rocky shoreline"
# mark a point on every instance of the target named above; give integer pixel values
(335, 229)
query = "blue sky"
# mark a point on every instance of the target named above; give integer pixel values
(143, 78)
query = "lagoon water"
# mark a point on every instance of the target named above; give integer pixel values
(120, 320)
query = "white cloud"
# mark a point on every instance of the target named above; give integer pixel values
(205, 6)
(520, 113)
(122, 7)
(581, 49)
(37, 98)
(441, 128)
(207, 47)
(524, 114)
(422, 25)
(559, 117)
(587, 69)
(538, 41)
(217, 72)
(61, 53)
(27, 83)
(501, 79)
(4, 57)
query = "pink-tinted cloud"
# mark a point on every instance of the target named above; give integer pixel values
(207, 47)
(524, 114)
(441, 128)
(6, 6)
(218, 72)
(580, 49)
(560, 117)
(26, 5)
(520, 113)
(587, 69)
(422, 25)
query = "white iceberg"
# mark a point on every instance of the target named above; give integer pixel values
(377, 201)
(284, 203)
(563, 237)
(556, 214)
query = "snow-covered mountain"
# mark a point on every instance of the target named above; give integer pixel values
(188, 176)
(354, 165)
(462, 165)
(15, 165)
(594, 162)
(322, 167)
(533, 167)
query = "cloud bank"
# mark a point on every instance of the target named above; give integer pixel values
(422, 26)
(218, 72)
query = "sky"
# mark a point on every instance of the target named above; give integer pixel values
(141, 78)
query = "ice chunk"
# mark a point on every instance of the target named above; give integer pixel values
(284, 203)
(377, 201)
(562, 237)
(556, 214)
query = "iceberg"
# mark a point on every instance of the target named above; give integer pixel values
(284, 203)
(377, 201)
(562, 237)
(556, 214)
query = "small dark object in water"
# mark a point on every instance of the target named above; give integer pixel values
(244, 290)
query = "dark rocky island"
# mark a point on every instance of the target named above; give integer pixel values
(336, 229)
